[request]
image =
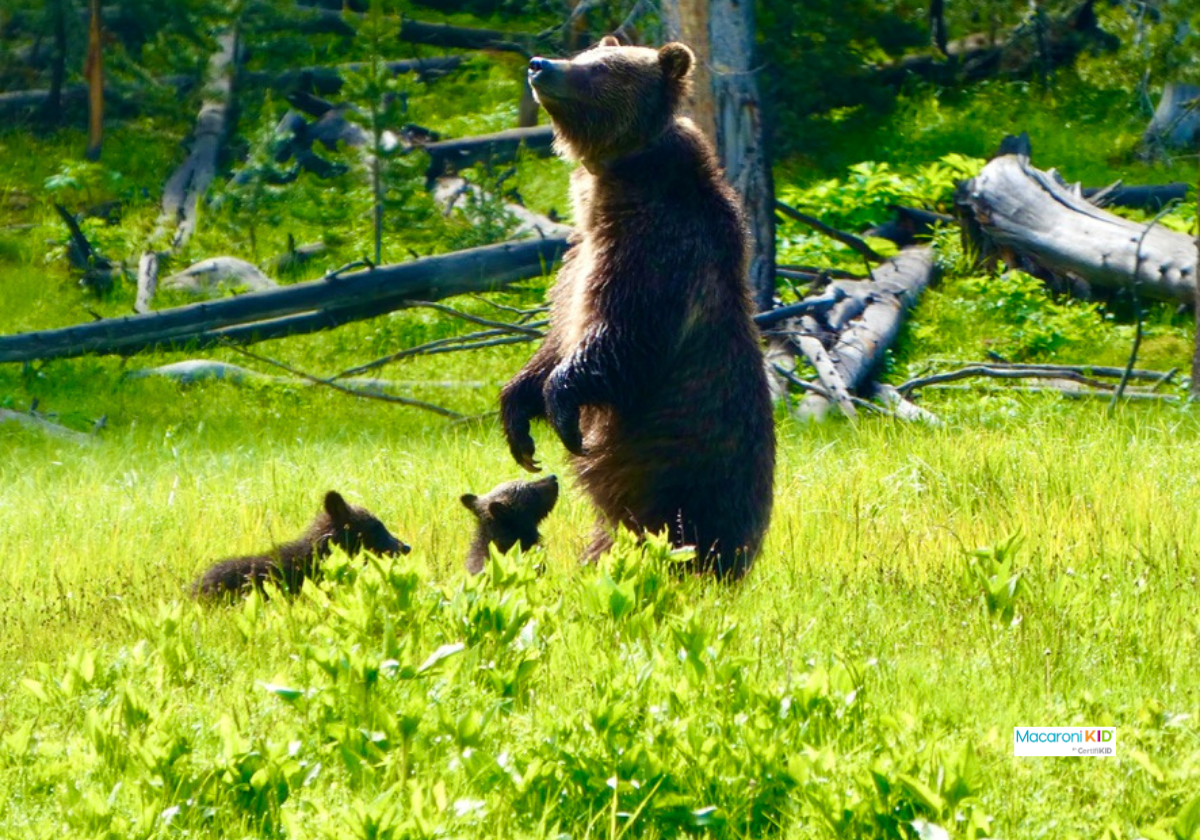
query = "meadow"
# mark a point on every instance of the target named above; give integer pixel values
(1031, 562)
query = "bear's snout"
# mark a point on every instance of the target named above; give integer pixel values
(548, 76)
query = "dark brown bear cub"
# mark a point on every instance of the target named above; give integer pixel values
(651, 374)
(508, 515)
(351, 528)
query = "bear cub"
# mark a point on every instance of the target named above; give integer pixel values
(651, 373)
(353, 529)
(508, 515)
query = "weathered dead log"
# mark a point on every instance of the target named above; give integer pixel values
(447, 192)
(147, 282)
(448, 156)
(12, 102)
(293, 310)
(857, 330)
(329, 80)
(909, 225)
(1175, 125)
(1144, 197)
(466, 38)
(1032, 221)
(190, 181)
(36, 421)
(321, 80)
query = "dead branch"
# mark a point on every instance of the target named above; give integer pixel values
(292, 310)
(827, 373)
(453, 344)
(816, 224)
(483, 322)
(448, 156)
(467, 38)
(354, 392)
(34, 420)
(992, 372)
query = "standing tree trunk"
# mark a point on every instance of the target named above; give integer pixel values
(52, 107)
(727, 108)
(93, 71)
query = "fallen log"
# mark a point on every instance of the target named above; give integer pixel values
(861, 343)
(448, 156)
(329, 80)
(466, 38)
(846, 331)
(324, 80)
(1145, 197)
(1033, 222)
(1035, 46)
(15, 101)
(189, 182)
(297, 309)
(447, 191)
(36, 421)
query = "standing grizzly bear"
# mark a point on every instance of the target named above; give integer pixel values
(651, 373)
(508, 515)
(351, 528)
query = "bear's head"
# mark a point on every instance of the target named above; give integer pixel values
(611, 100)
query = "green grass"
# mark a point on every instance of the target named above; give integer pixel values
(864, 583)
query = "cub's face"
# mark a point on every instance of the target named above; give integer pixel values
(611, 100)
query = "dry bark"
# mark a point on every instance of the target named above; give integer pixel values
(1034, 222)
(728, 108)
(292, 310)
(462, 37)
(448, 156)
(1175, 125)
(854, 322)
(188, 183)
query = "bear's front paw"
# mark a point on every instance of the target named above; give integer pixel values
(522, 449)
(563, 416)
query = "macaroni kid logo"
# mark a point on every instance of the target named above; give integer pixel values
(1098, 741)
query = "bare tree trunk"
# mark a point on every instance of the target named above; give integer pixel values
(52, 106)
(727, 107)
(94, 73)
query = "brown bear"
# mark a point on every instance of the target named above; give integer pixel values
(351, 528)
(508, 515)
(651, 373)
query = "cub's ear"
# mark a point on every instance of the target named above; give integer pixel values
(468, 501)
(676, 60)
(336, 507)
(609, 41)
(497, 509)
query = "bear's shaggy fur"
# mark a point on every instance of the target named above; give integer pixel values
(351, 528)
(508, 515)
(651, 374)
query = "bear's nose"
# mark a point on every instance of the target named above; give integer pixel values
(538, 63)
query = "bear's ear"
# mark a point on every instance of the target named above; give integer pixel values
(609, 41)
(497, 509)
(468, 500)
(676, 60)
(336, 507)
